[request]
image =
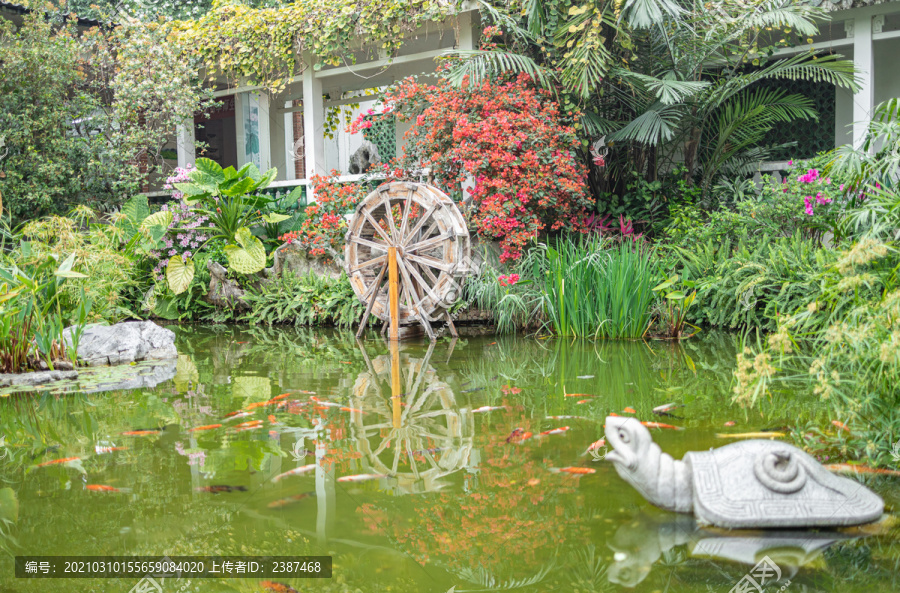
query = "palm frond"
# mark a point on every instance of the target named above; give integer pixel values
(784, 14)
(657, 124)
(668, 89)
(643, 14)
(479, 65)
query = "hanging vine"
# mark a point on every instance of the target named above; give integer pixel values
(266, 46)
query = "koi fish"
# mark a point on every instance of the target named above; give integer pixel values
(57, 461)
(279, 397)
(242, 342)
(255, 405)
(492, 343)
(613, 414)
(277, 504)
(488, 409)
(472, 390)
(361, 478)
(665, 408)
(585, 377)
(577, 471)
(841, 425)
(237, 414)
(346, 409)
(101, 450)
(630, 410)
(660, 425)
(560, 430)
(102, 488)
(207, 427)
(272, 419)
(569, 418)
(751, 435)
(297, 471)
(860, 469)
(251, 423)
(595, 446)
(140, 433)
(277, 587)
(221, 488)
(729, 423)
(578, 395)
(583, 401)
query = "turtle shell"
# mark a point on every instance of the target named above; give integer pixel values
(759, 483)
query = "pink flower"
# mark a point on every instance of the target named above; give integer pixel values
(807, 201)
(842, 187)
(791, 162)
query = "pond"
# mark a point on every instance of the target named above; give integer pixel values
(187, 465)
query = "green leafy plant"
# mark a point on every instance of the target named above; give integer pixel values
(304, 300)
(225, 197)
(676, 304)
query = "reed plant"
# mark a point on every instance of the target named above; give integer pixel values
(593, 289)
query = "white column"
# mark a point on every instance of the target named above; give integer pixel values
(466, 42)
(239, 126)
(184, 143)
(863, 57)
(261, 101)
(290, 173)
(313, 123)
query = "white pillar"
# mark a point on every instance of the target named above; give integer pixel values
(239, 126)
(313, 123)
(290, 173)
(863, 57)
(184, 143)
(261, 101)
(467, 42)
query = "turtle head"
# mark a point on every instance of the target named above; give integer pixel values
(629, 439)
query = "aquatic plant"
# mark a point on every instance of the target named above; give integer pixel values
(593, 290)
(304, 300)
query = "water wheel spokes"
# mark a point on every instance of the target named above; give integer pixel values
(427, 233)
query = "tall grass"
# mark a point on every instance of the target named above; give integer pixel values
(590, 290)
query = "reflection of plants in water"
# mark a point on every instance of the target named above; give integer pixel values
(589, 571)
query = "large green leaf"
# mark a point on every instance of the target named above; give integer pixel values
(275, 218)
(136, 209)
(179, 273)
(211, 168)
(162, 218)
(237, 187)
(250, 257)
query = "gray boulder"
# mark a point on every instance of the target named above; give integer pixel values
(223, 292)
(36, 378)
(125, 342)
(364, 157)
(292, 258)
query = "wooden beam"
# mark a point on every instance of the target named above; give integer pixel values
(394, 293)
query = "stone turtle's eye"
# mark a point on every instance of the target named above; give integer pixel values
(623, 436)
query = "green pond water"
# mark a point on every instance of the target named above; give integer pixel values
(459, 508)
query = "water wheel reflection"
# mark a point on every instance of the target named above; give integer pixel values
(412, 429)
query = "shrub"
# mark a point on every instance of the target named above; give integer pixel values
(304, 300)
(511, 139)
(322, 231)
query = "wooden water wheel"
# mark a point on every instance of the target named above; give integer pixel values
(422, 229)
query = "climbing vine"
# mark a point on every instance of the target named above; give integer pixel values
(266, 45)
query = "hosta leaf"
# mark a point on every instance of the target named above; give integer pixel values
(179, 274)
(275, 218)
(162, 218)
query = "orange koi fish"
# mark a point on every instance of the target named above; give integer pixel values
(361, 478)
(140, 433)
(207, 427)
(253, 423)
(613, 414)
(660, 425)
(849, 468)
(277, 587)
(578, 395)
(564, 417)
(57, 461)
(297, 471)
(487, 409)
(595, 446)
(518, 435)
(559, 430)
(583, 401)
(277, 504)
(841, 425)
(729, 423)
(102, 488)
(279, 397)
(272, 419)
(630, 410)
(236, 414)
(664, 408)
(253, 406)
(221, 488)
(576, 471)
(346, 409)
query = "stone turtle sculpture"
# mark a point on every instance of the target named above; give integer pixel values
(750, 484)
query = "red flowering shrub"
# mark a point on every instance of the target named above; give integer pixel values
(512, 139)
(323, 229)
